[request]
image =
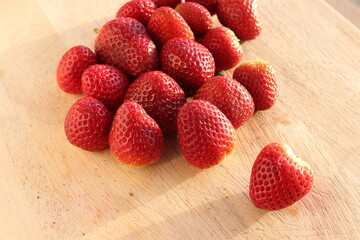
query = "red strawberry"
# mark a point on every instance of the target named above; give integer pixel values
(188, 62)
(198, 17)
(279, 178)
(230, 97)
(125, 44)
(71, 66)
(160, 96)
(224, 46)
(166, 24)
(240, 16)
(258, 77)
(105, 83)
(135, 138)
(87, 124)
(210, 5)
(205, 134)
(140, 10)
(166, 3)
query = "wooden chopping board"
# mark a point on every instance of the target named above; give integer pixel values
(52, 190)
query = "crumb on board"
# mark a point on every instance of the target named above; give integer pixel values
(293, 212)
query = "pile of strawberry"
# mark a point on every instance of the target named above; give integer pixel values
(147, 62)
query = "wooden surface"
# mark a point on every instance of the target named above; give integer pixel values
(349, 9)
(52, 190)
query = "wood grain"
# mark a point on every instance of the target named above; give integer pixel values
(52, 190)
(349, 8)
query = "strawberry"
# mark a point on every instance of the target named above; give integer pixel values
(160, 96)
(210, 5)
(205, 134)
(240, 16)
(140, 10)
(258, 77)
(188, 62)
(230, 97)
(166, 3)
(125, 44)
(166, 24)
(135, 138)
(279, 178)
(198, 17)
(224, 46)
(87, 124)
(105, 83)
(71, 66)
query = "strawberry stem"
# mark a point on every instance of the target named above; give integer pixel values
(96, 30)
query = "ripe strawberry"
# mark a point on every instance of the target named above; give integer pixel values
(205, 134)
(210, 5)
(224, 46)
(140, 10)
(105, 83)
(160, 96)
(279, 178)
(197, 16)
(240, 16)
(188, 62)
(166, 24)
(230, 97)
(71, 66)
(166, 3)
(125, 44)
(87, 124)
(135, 138)
(258, 77)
